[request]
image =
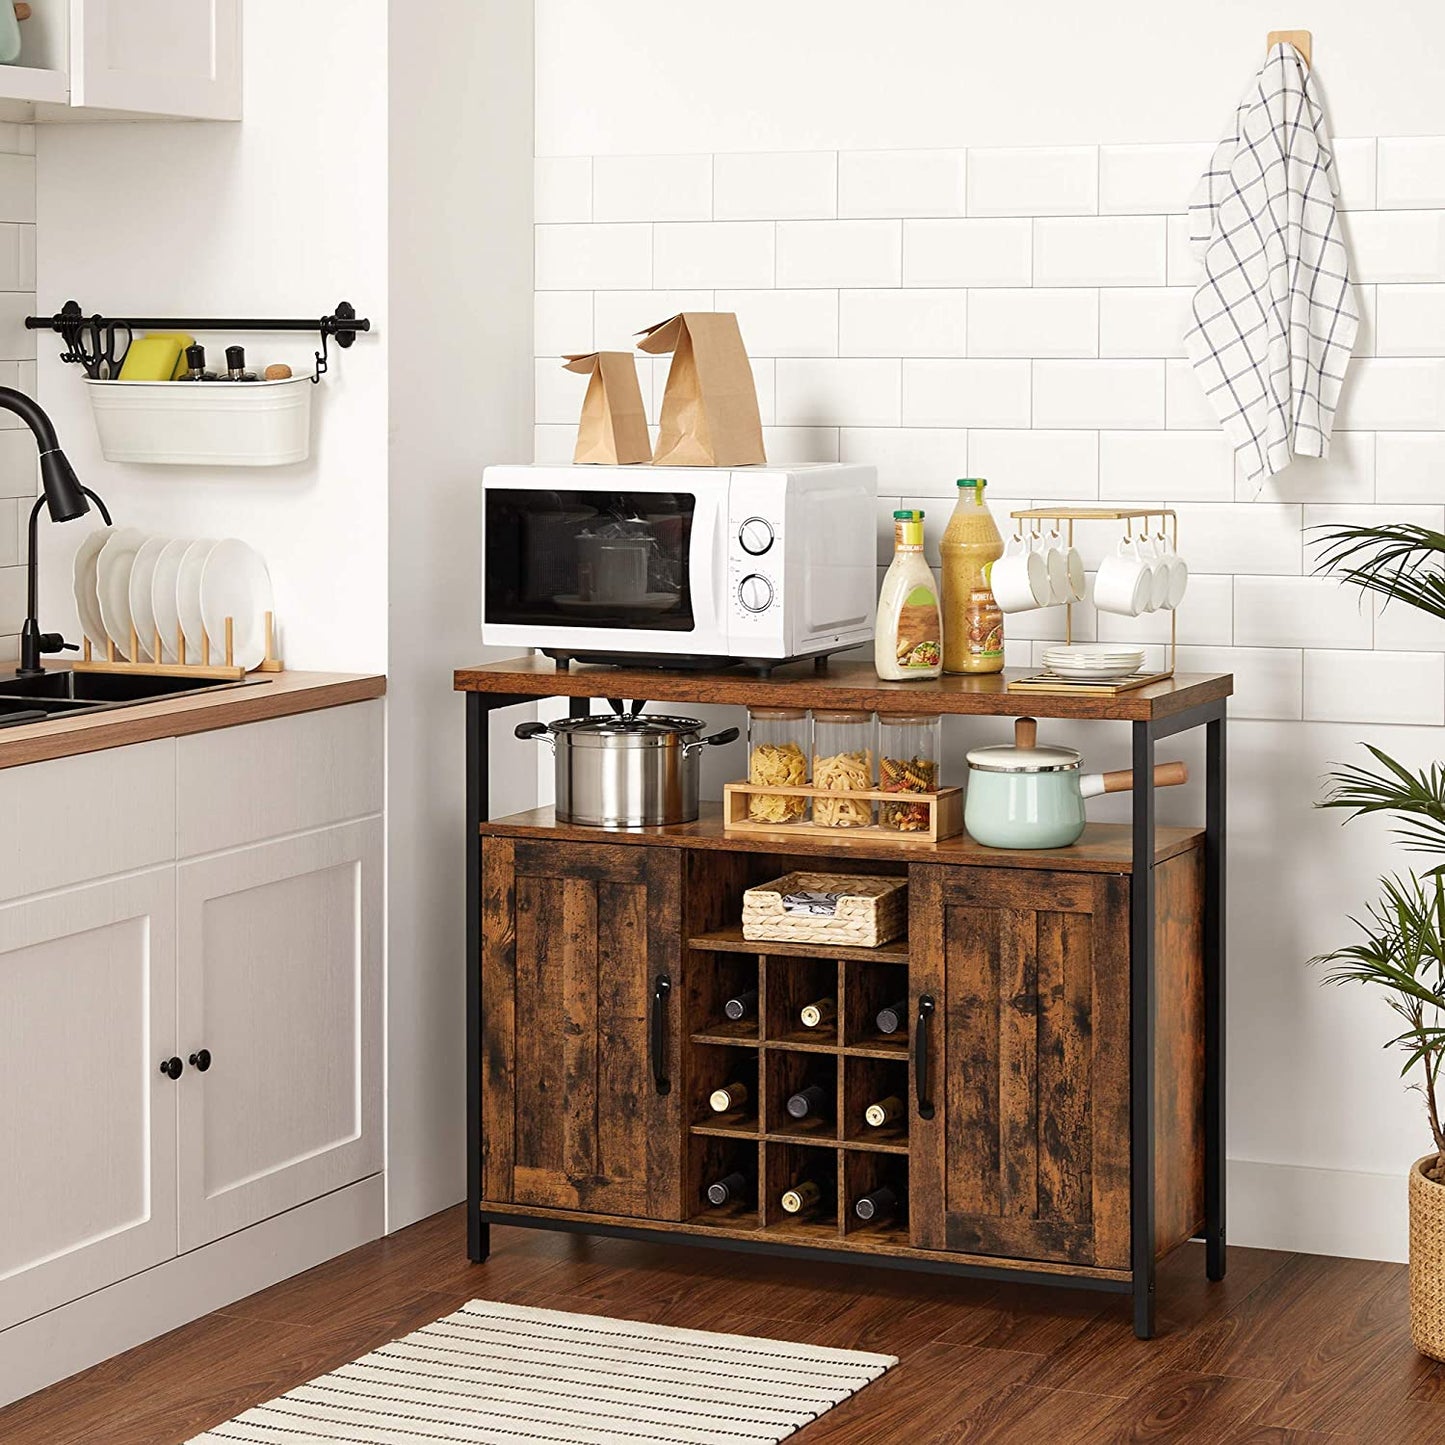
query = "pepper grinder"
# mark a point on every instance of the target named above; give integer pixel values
(236, 365)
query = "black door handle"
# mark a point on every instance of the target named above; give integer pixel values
(200, 1061)
(921, 1089)
(657, 1034)
(172, 1067)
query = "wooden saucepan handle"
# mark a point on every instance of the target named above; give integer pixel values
(1166, 775)
(1026, 732)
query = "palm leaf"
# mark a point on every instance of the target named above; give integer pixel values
(1396, 560)
(1417, 797)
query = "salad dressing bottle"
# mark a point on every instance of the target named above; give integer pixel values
(973, 623)
(908, 639)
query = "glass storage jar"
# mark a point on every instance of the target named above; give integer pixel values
(909, 747)
(778, 745)
(843, 762)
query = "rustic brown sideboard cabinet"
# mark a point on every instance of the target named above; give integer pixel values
(1062, 1065)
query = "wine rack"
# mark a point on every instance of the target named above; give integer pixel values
(775, 1055)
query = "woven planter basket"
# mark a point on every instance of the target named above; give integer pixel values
(1427, 1262)
(871, 911)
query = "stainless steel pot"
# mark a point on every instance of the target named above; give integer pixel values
(627, 770)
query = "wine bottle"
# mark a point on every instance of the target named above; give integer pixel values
(883, 1112)
(821, 1011)
(803, 1197)
(729, 1097)
(894, 1018)
(877, 1207)
(730, 1189)
(742, 1006)
(812, 1101)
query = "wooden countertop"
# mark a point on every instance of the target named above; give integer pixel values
(841, 685)
(258, 698)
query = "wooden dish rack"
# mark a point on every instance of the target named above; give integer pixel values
(229, 670)
(1046, 681)
(945, 813)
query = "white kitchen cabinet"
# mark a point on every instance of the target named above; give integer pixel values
(126, 59)
(280, 981)
(87, 1118)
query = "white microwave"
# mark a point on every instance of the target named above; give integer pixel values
(679, 566)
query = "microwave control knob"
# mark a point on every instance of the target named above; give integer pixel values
(755, 593)
(755, 536)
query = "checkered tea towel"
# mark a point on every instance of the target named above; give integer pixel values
(1274, 317)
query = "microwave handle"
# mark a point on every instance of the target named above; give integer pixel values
(709, 547)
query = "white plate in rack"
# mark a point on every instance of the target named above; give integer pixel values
(112, 585)
(236, 584)
(163, 596)
(188, 596)
(142, 609)
(87, 601)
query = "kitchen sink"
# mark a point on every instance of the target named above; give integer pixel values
(60, 693)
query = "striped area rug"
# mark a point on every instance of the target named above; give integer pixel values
(496, 1374)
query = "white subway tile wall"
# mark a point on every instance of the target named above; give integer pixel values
(17, 369)
(1015, 314)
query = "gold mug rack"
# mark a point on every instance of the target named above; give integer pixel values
(1051, 682)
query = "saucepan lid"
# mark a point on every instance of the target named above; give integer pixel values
(627, 730)
(1024, 755)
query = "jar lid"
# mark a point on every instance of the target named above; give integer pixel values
(841, 715)
(972, 482)
(908, 719)
(777, 714)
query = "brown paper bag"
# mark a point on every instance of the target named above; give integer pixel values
(710, 408)
(613, 429)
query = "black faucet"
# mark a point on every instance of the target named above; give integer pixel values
(63, 494)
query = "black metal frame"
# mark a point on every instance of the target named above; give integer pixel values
(1143, 1017)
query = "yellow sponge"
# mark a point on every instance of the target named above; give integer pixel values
(157, 356)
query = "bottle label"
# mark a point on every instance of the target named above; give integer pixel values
(984, 622)
(919, 638)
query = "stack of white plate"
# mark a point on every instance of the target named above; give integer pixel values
(1094, 661)
(125, 579)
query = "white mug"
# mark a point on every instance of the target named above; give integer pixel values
(1020, 578)
(1076, 585)
(1177, 568)
(1153, 558)
(1124, 582)
(1052, 546)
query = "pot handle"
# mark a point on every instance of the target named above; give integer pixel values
(727, 735)
(535, 731)
(1166, 775)
(1026, 732)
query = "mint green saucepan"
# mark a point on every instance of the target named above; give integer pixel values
(1026, 796)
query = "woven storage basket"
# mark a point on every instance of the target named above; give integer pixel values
(871, 911)
(1427, 1262)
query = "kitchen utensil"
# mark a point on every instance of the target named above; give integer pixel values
(626, 770)
(142, 609)
(163, 596)
(1020, 578)
(1124, 582)
(188, 596)
(1027, 796)
(1093, 662)
(1153, 558)
(1177, 568)
(87, 600)
(112, 585)
(1056, 561)
(100, 359)
(236, 584)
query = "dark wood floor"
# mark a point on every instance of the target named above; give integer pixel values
(1289, 1349)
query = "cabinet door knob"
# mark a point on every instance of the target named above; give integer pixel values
(172, 1067)
(200, 1060)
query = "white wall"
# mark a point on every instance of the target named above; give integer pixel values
(283, 215)
(956, 246)
(460, 398)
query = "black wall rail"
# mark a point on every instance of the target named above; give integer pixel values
(75, 327)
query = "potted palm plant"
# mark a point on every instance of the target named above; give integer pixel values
(1399, 944)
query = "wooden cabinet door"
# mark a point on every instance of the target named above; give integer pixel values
(280, 980)
(87, 1120)
(1027, 1153)
(157, 57)
(574, 939)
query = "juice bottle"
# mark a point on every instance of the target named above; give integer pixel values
(972, 623)
(908, 641)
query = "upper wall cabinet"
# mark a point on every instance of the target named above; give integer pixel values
(127, 60)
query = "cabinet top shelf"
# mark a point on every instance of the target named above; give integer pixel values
(841, 685)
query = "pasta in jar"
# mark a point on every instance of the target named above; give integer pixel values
(777, 755)
(909, 750)
(843, 763)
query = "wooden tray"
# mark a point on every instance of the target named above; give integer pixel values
(945, 813)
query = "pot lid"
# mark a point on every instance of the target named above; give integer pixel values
(639, 726)
(1024, 755)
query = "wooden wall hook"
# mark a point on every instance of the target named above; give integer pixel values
(1300, 39)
